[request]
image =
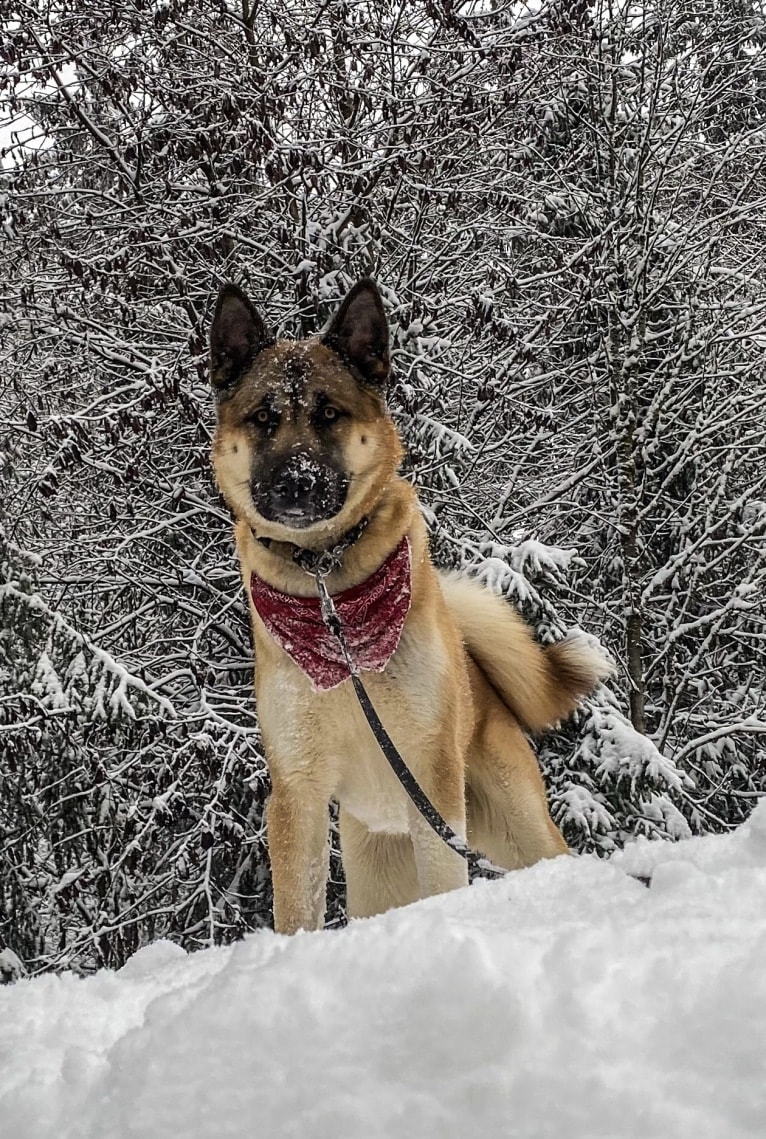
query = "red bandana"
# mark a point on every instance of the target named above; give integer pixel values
(372, 614)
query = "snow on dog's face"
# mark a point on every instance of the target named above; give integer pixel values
(304, 445)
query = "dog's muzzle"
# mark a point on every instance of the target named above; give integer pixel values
(300, 492)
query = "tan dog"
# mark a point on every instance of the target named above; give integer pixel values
(306, 456)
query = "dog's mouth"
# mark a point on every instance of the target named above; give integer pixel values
(295, 518)
(300, 493)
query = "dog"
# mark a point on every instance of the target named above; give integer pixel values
(306, 455)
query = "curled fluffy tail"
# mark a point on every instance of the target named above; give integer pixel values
(540, 685)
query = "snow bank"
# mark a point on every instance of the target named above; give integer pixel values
(565, 1000)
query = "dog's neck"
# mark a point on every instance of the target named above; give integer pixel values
(318, 561)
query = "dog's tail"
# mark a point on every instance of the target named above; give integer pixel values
(540, 685)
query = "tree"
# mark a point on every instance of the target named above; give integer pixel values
(639, 242)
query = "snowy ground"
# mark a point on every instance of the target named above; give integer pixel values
(565, 1001)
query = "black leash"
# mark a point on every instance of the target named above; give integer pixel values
(322, 565)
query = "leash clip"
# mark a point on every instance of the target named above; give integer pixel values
(332, 621)
(329, 612)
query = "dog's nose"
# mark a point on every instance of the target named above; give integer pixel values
(299, 491)
(295, 482)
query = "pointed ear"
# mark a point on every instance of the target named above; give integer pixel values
(359, 333)
(237, 335)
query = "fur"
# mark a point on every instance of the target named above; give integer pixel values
(467, 679)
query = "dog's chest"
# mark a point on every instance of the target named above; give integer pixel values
(370, 791)
(325, 738)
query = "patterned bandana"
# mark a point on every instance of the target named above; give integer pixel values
(372, 614)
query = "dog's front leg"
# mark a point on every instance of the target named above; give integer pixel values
(439, 868)
(298, 823)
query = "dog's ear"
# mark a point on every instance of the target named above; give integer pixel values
(359, 333)
(237, 335)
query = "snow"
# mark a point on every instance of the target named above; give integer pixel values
(567, 999)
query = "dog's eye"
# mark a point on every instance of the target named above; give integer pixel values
(325, 414)
(263, 417)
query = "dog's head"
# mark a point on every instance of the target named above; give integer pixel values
(304, 445)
